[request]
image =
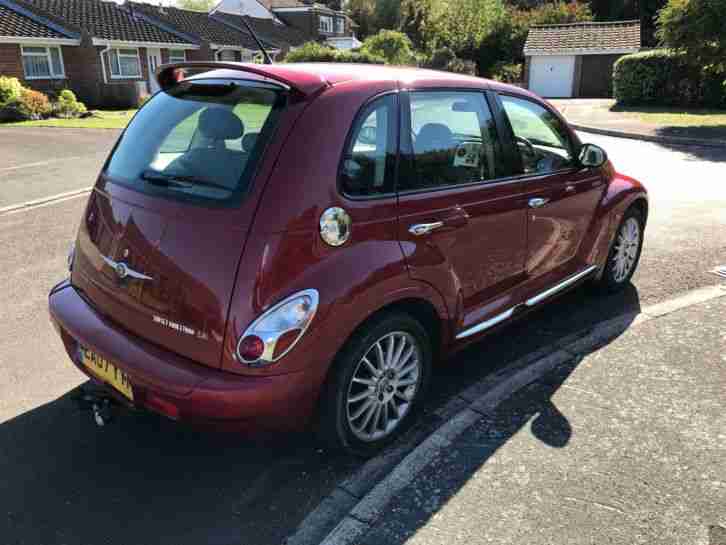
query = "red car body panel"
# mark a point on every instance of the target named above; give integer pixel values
(217, 269)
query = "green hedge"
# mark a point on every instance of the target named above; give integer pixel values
(663, 77)
(315, 52)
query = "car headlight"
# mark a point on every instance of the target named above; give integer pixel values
(276, 332)
(71, 257)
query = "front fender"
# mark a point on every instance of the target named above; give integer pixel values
(622, 193)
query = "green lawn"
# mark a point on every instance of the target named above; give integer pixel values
(675, 117)
(101, 119)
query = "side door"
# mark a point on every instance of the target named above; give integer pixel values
(561, 195)
(462, 223)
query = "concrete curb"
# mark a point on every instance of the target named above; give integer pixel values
(29, 205)
(359, 501)
(673, 140)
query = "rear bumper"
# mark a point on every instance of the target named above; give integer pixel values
(169, 384)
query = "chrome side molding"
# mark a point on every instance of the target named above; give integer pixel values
(559, 287)
(499, 318)
(491, 322)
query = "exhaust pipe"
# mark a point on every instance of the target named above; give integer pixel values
(100, 404)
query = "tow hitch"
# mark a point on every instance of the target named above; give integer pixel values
(98, 402)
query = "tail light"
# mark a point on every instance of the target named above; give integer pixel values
(278, 330)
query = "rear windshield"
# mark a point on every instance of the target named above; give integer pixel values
(200, 140)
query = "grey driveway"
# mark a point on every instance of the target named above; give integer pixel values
(36, 163)
(146, 480)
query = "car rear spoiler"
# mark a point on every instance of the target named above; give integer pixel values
(300, 81)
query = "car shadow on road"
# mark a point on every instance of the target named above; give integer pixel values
(531, 407)
(143, 479)
(714, 154)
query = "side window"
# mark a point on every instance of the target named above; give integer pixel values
(542, 140)
(454, 141)
(369, 162)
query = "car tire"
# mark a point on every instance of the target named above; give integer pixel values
(361, 412)
(624, 254)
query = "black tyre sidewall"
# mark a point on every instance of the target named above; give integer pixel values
(334, 419)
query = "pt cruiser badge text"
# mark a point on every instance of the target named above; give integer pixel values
(181, 328)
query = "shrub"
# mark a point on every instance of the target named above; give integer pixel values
(444, 58)
(507, 72)
(13, 111)
(34, 103)
(67, 106)
(67, 95)
(392, 45)
(665, 77)
(315, 52)
(10, 89)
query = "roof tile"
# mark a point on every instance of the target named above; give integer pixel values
(616, 35)
(17, 25)
(105, 20)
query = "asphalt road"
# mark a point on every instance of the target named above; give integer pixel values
(145, 480)
(38, 162)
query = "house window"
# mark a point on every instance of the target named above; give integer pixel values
(42, 62)
(228, 55)
(326, 24)
(177, 55)
(340, 25)
(125, 63)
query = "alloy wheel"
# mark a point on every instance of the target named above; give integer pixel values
(626, 249)
(383, 386)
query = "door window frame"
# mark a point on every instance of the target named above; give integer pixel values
(406, 150)
(394, 126)
(573, 140)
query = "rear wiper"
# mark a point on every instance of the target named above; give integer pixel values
(161, 179)
(181, 181)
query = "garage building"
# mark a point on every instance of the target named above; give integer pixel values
(576, 60)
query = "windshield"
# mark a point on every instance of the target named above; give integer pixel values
(198, 140)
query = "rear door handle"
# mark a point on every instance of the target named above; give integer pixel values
(538, 202)
(420, 229)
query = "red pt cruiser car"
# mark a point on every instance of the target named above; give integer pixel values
(272, 246)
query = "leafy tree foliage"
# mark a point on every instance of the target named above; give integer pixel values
(315, 52)
(696, 28)
(196, 5)
(392, 45)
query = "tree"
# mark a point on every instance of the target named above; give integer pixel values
(363, 12)
(696, 28)
(648, 13)
(197, 5)
(392, 45)
(415, 19)
(388, 14)
(609, 10)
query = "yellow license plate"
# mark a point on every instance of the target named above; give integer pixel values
(108, 372)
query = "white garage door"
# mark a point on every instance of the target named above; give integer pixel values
(551, 75)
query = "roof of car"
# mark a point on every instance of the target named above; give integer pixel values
(312, 77)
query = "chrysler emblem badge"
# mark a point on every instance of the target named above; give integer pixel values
(122, 270)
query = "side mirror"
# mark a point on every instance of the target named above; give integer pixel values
(592, 156)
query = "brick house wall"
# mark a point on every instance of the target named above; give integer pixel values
(11, 65)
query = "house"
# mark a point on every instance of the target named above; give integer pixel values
(101, 51)
(316, 21)
(35, 50)
(107, 52)
(576, 60)
(217, 40)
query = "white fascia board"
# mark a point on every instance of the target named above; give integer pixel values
(29, 40)
(163, 45)
(584, 51)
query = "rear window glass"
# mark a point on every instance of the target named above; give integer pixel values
(198, 141)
